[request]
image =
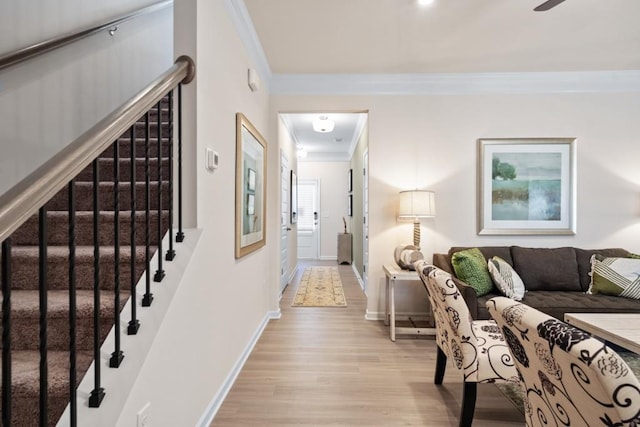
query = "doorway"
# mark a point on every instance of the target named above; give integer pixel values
(308, 224)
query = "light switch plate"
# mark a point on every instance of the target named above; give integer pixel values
(211, 159)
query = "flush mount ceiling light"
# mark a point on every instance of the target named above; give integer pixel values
(425, 2)
(323, 124)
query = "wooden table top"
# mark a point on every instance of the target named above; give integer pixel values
(622, 329)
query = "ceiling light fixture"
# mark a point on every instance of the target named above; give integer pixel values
(323, 124)
(425, 2)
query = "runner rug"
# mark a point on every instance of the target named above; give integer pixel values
(320, 287)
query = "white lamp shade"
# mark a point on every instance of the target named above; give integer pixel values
(417, 204)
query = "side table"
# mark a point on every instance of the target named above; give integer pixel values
(395, 275)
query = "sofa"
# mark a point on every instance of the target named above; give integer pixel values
(555, 279)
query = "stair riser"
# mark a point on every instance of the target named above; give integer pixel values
(84, 197)
(58, 227)
(125, 148)
(107, 173)
(24, 271)
(140, 130)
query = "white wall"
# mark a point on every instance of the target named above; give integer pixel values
(222, 303)
(430, 142)
(333, 177)
(41, 112)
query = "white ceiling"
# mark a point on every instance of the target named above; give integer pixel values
(332, 146)
(450, 36)
(397, 38)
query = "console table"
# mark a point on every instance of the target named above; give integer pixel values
(396, 275)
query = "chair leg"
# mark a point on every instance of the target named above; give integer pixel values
(468, 404)
(441, 364)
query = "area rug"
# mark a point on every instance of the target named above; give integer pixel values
(320, 287)
(514, 393)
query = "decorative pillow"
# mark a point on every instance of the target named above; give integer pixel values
(506, 278)
(471, 267)
(615, 276)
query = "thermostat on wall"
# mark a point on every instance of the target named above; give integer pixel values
(211, 160)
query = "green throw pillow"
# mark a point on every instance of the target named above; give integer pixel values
(615, 276)
(471, 267)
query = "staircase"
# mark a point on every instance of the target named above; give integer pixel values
(25, 331)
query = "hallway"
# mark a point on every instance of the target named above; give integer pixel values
(330, 366)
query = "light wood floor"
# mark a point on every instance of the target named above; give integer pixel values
(330, 366)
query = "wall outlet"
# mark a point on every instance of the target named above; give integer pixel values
(144, 416)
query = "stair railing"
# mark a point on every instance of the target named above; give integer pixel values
(21, 55)
(30, 196)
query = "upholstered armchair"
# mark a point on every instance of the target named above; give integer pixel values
(476, 348)
(569, 377)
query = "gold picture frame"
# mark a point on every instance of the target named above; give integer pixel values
(251, 187)
(527, 186)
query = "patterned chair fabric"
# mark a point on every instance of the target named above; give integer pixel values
(476, 347)
(569, 377)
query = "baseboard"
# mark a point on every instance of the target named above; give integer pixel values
(212, 409)
(355, 271)
(289, 280)
(328, 258)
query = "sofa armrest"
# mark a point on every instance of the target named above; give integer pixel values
(468, 293)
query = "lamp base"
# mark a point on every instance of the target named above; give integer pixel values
(416, 234)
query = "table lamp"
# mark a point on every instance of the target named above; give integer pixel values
(416, 204)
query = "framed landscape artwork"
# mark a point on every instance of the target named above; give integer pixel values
(527, 186)
(251, 185)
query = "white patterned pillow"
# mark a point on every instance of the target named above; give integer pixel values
(506, 278)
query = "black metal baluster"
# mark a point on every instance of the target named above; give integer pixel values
(97, 394)
(179, 234)
(134, 324)
(171, 253)
(117, 355)
(147, 299)
(6, 332)
(73, 404)
(159, 272)
(42, 294)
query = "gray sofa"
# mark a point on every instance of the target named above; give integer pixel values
(556, 280)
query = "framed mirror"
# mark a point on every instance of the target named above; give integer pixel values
(251, 186)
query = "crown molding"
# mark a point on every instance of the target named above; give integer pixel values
(456, 84)
(239, 14)
(362, 121)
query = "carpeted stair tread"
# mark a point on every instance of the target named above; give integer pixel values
(25, 385)
(24, 266)
(58, 228)
(25, 318)
(26, 303)
(84, 196)
(107, 173)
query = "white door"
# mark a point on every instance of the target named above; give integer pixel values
(284, 221)
(365, 221)
(308, 218)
